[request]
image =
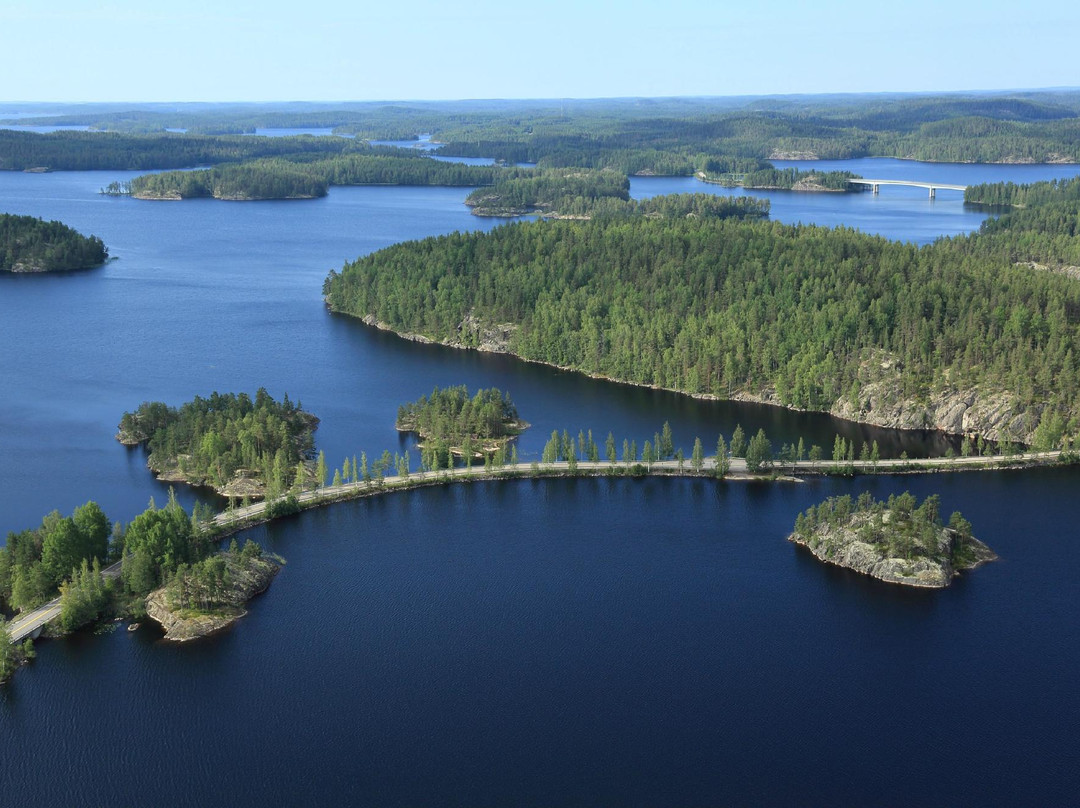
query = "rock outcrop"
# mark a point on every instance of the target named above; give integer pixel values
(847, 546)
(995, 415)
(248, 577)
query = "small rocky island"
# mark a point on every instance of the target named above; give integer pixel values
(899, 541)
(210, 595)
(240, 447)
(449, 422)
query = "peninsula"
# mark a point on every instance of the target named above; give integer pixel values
(899, 541)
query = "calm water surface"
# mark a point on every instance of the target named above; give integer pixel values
(546, 643)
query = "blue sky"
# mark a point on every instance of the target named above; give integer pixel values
(326, 50)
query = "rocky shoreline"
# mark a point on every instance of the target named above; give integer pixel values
(995, 416)
(846, 546)
(250, 577)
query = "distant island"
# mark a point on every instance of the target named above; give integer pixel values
(242, 448)
(451, 424)
(765, 177)
(300, 177)
(29, 244)
(899, 541)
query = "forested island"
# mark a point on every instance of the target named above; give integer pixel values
(564, 192)
(29, 244)
(960, 335)
(900, 541)
(766, 177)
(297, 177)
(450, 423)
(239, 446)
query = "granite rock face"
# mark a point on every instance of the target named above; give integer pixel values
(249, 577)
(845, 547)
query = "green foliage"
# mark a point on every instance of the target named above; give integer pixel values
(28, 244)
(793, 178)
(156, 543)
(738, 442)
(1002, 194)
(759, 453)
(91, 151)
(34, 562)
(204, 585)
(9, 659)
(84, 598)
(564, 191)
(286, 506)
(210, 439)
(271, 179)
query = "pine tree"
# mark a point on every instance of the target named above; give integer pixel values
(738, 442)
(667, 444)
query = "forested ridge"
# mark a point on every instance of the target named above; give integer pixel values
(29, 244)
(793, 314)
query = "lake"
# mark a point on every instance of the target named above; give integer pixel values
(618, 642)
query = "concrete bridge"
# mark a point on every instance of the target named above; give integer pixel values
(875, 185)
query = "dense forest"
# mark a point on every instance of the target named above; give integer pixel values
(803, 316)
(301, 177)
(792, 179)
(226, 440)
(566, 192)
(94, 151)
(450, 422)
(1009, 194)
(28, 244)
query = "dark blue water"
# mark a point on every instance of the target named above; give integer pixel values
(583, 643)
(547, 643)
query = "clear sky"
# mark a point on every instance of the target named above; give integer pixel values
(327, 50)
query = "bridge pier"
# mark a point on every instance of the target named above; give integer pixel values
(933, 192)
(877, 188)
